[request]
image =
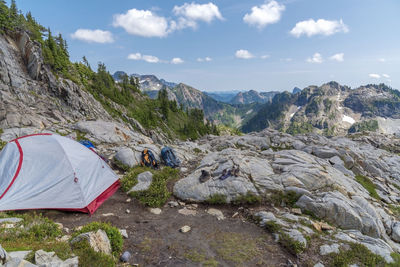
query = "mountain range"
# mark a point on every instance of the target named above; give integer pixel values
(331, 109)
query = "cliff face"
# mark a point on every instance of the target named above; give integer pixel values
(31, 96)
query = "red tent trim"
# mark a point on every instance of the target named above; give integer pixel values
(21, 159)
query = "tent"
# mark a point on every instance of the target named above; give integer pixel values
(48, 171)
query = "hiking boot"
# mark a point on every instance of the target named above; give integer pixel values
(205, 175)
(225, 174)
(235, 171)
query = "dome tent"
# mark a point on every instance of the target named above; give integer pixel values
(48, 171)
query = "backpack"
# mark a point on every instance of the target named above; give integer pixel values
(148, 159)
(169, 157)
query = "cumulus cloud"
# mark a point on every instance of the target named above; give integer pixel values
(244, 54)
(190, 14)
(93, 36)
(265, 56)
(374, 75)
(386, 75)
(265, 14)
(142, 22)
(206, 59)
(323, 27)
(316, 58)
(337, 57)
(147, 58)
(177, 60)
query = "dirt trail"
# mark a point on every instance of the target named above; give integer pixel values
(155, 240)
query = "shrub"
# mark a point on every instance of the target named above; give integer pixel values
(88, 257)
(293, 246)
(216, 199)
(158, 193)
(357, 254)
(112, 232)
(130, 179)
(272, 227)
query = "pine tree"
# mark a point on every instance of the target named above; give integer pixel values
(4, 20)
(13, 15)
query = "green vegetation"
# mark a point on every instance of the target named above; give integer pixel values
(299, 128)
(2, 143)
(367, 184)
(112, 232)
(293, 246)
(228, 130)
(34, 232)
(313, 107)
(357, 254)
(248, 198)
(272, 227)
(287, 199)
(199, 256)
(150, 113)
(158, 193)
(130, 178)
(327, 104)
(88, 257)
(216, 199)
(395, 209)
(236, 247)
(270, 113)
(363, 126)
(197, 150)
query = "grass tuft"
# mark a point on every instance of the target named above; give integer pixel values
(248, 198)
(112, 232)
(368, 185)
(217, 199)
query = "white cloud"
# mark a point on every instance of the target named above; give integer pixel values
(337, 57)
(374, 75)
(265, 56)
(147, 58)
(381, 59)
(93, 36)
(177, 60)
(386, 75)
(190, 14)
(265, 14)
(316, 58)
(143, 23)
(324, 27)
(206, 59)
(244, 54)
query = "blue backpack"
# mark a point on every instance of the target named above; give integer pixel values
(169, 157)
(87, 143)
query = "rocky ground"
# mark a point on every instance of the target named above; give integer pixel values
(312, 196)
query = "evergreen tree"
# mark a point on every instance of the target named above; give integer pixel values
(13, 15)
(4, 19)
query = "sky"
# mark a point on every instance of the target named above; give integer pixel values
(223, 45)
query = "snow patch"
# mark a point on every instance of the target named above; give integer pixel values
(348, 119)
(291, 115)
(339, 108)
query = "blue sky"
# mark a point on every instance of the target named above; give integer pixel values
(233, 45)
